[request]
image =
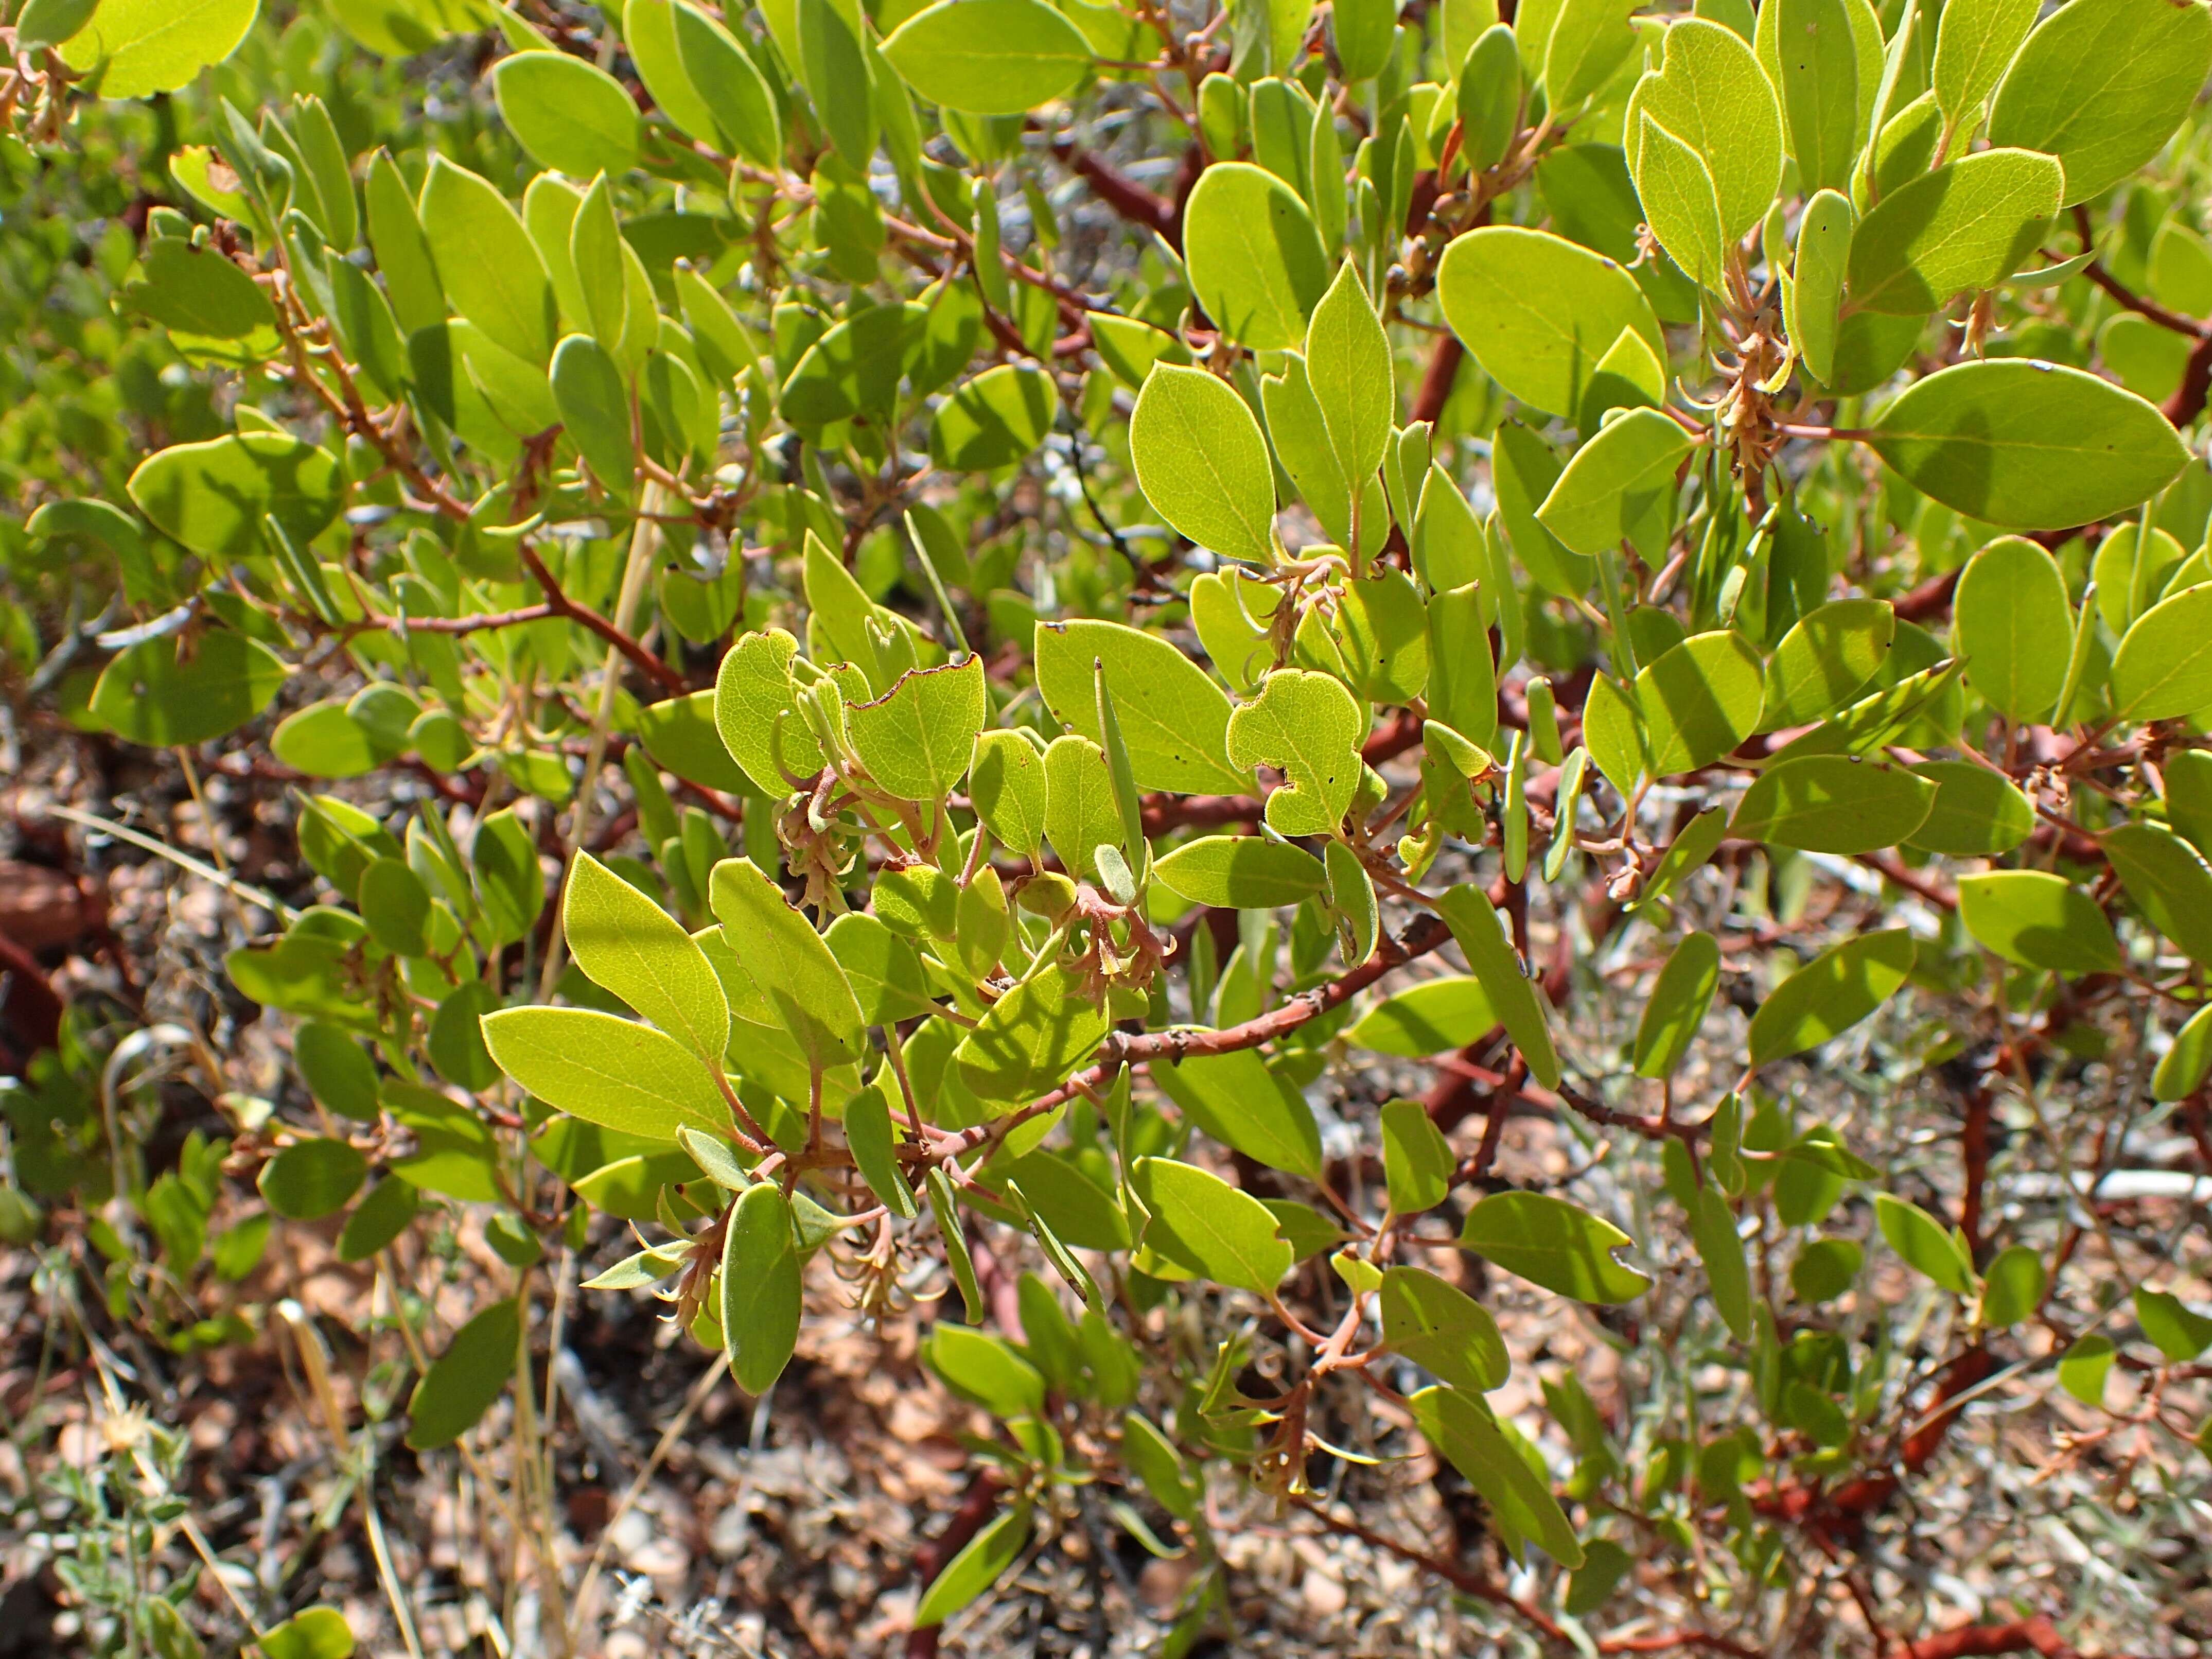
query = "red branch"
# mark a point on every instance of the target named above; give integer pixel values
(1426, 934)
(2035, 1635)
(1163, 812)
(1437, 381)
(1842, 1510)
(1125, 196)
(559, 604)
(1403, 733)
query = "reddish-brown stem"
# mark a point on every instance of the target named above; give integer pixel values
(1427, 933)
(559, 603)
(1436, 380)
(2035, 1635)
(2123, 296)
(1128, 199)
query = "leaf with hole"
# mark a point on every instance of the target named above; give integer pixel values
(1551, 1242)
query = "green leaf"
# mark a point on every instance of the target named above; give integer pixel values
(1965, 227)
(1202, 1223)
(1813, 300)
(1977, 813)
(2014, 628)
(567, 113)
(1720, 1248)
(833, 65)
(916, 739)
(1549, 1242)
(1711, 94)
(649, 28)
(378, 1219)
(1692, 845)
(761, 1292)
(1523, 469)
(1153, 1457)
(316, 1633)
(44, 23)
(1031, 1040)
(1432, 1018)
(1443, 1330)
(1240, 873)
(680, 734)
(215, 496)
(463, 1381)
(982, 1561)
(1352, 905)
(1830, 994)
(789, 963)
(1363, 31)
(1621, 485)
(1481, 932)
(1417, 1161)
(1006, 787)
(2038, 920)
(989, 56)
(1348, 365)
(1975, 41)
(2163, 668)
(755, 712)
(629, 945)
(1832, 804)
(729, 81)
(2026, 445)
(1236, 1100)
(589, 391)
(2181, 1069)
(1925, 1243)
(1462, 1427)
(1826, 1268)
(2169, 882)
(153, 694)
(1591, 39)
(1823, 105)
(323, 740)
(1679, 998)
(1682, 204)
(337, 1071)
(312, 1179)
(1305, 723)
(2176, 1332)
(2013, 1289)
(1202, 462)
(2084, 1368)
(396, 904)
(1699, 699)
(489, 266)
(510, 887)
(1003, 413)
(606, 1070)
(873, 1143)
(1173, 718)
(1081, 1211)
(1828, 654)
(1538, 313)
(1082, 812)
(2102, 86)
(1255, 261)
(157, 45)
(885, 972)
(194, 290)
